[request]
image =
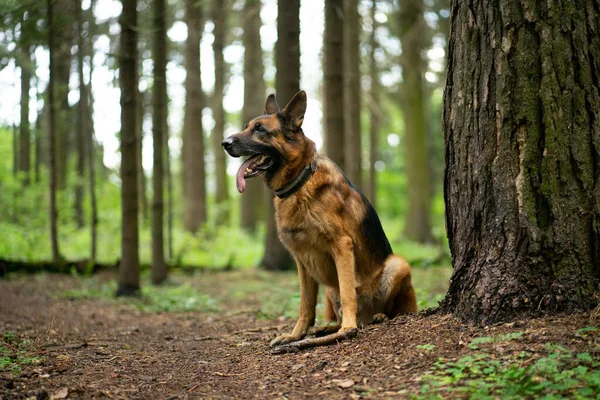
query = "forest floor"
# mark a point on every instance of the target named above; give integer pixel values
(63, 338)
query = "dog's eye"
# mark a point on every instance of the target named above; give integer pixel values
(258, 127)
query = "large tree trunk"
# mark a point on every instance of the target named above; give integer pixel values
(129, 268)
(52, 47)
(412, 28)
(254, 96)
(63, 21)
(333, 81)
(287, 84)
(374, 107)
(159, 118)
(194, 175)
(522, 143)
(81, 133)
(222, 195)
(351, 67)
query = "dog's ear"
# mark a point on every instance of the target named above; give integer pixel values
(271, 107)
(294, 111)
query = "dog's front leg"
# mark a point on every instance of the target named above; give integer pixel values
(309, 289)
(343, 255)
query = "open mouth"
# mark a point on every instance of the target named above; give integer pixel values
(250, 168)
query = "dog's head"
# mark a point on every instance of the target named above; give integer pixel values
(271, 141)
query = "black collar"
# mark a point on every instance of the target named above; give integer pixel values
(297, 183)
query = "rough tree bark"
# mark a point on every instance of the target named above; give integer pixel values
(333, 81)
(129, 267)
(287, 84)
(194, 175)
(222, 195)
(351, 68)
(254, 97)
(159, 118)
(522, 142)
(52, 48)
(412, 28)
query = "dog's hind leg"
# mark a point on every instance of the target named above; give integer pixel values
(396, 285)
(331, 316)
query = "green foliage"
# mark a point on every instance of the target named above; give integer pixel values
(426, 347)
(154, 299)
(559, 373)
(15, 353)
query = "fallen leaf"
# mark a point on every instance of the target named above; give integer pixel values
(61, 393)
(344, 383)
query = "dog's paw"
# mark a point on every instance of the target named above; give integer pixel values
(379, 318)
(284, 339)
(348, 332)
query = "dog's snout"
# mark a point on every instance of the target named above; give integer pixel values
(227, 142)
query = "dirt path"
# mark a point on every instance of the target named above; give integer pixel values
(98, 350)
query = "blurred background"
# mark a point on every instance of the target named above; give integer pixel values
(373, 71)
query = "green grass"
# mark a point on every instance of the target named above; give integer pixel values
(15, 353)
(557, 373)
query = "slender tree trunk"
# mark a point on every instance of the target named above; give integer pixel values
(351, 67)
(64, 11)
(254, 96)
(141, 182)
(374, 107)
(522, 143)
(38, 146)
(52, 46)
(15, 143)
(412, 28)
(80, 129)
(333, 81)
(129, 268)
(90, 142)
(194, 175)
(24, 127)
(169, 182)
(287, 84)
(222, 195)
(159, 117)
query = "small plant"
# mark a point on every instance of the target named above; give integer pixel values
(14, 353)
(426, 347)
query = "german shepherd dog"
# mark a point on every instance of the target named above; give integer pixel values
(326, 223)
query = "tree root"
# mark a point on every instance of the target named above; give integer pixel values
(315, 342)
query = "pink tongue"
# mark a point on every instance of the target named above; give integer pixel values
(240, 182)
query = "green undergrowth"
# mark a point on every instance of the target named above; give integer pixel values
(555, 372)
(15, 353)
(267, 295)
(168, 297)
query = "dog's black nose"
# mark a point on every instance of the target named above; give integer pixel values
(227, 143)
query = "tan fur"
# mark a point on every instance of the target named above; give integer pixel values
(321, 226)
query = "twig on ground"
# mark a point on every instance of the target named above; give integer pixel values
(315, 342)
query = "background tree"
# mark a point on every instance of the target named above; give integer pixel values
(26, 66)
(521, 124)
(63, 22)
(351, 98)
(222, 192)
(129, 267)
(159, 123)
(194, 175)
(53, 50)
(287, 84)
(333, 81)
(81, 125)
(254, 97)
(373, 105)
(413, 39)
